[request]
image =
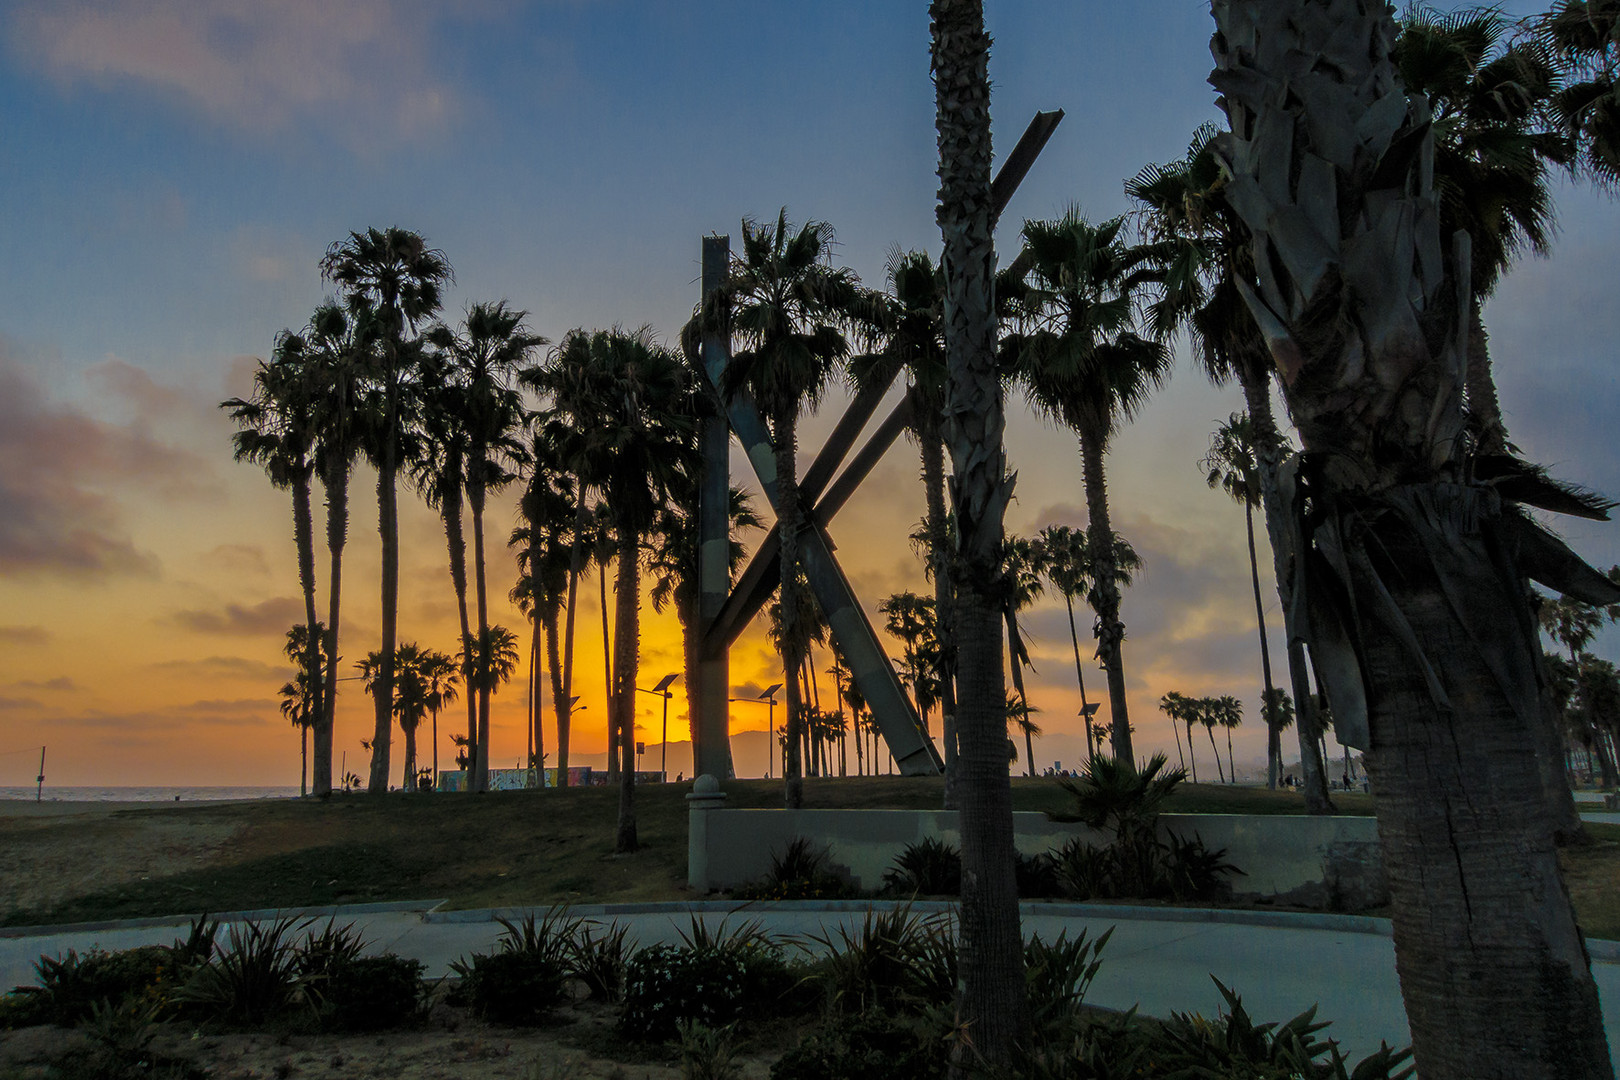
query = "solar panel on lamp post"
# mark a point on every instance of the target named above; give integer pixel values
(769, 697)
(662, 690)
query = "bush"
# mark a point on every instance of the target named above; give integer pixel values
(708, 979)
(930, 867)
(371, 993)
(598, 962)
(800, 871)
(872, 1044)
(708, 1053)
(1036, 875)
(254, 978)
(71, 987)
(526, 978)
(895, 961)
(1058, 975)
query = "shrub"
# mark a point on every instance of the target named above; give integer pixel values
(872, 1044)
(709, 978)
(526, 978)
(895, 961)
(801, 871)
(930, 867)
(72, 986)
(370, 993)
(598, 962)
(1036, 874)
(708, 1053)
(252, 979)
(324, 953)
(1058, 975)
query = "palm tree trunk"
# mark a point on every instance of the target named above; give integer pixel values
(336, 481)
(613, 733)
(537, 731)
(407, 781)
(932, 450)
(1273, 733)
(559, 698)
(1268, 443)
(626, 645)
(991, 996)
(456, 543)
(313, 682)
(1105, 590)
(1017, 666)
(388, 527)
(1175, 732)
(1080, 676)
(1209, 729)
(1231, 765)
(475, 497)
(1191, 756)
(303, 760)
(1484, 410)
(785, 429)
(565, 703)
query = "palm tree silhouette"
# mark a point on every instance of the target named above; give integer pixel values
(1584, 37)
(300, 698)
(788, 308)
(393, 274)
(440, 674)
(1082, 363)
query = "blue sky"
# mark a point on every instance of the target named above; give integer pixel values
(171, 170)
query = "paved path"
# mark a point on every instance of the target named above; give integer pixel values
(1158, 963)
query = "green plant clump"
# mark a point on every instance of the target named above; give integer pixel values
(801, 871)
(875, 1044)
(930, 867)
(894, 961)
(709, 979)
(372, 993)
(526, 978)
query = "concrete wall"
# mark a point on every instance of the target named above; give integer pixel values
(1327, 862)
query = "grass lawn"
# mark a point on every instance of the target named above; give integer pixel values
(499, 849)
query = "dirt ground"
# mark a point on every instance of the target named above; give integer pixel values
(580, 1045)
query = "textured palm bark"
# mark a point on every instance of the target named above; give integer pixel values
(565, 701)
(607, 670)
(1418, 615)
(1105, 594)
(559, 698)
(1017, 666)
(990, 998)
(537, 738)
(785, 438)
(383, 688)
(304, 537)
(336, 482)
(1273, 732)
(932, 450)
(1484, 928)
(626, 645)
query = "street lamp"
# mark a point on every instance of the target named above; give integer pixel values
(769, 697)
(1087, 711)
(663, 691)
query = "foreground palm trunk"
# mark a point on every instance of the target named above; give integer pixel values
(626, 644)
(336, 482)
(785, 429)
(990, 996)
(1105, 594)
(1412, 581)
(388, 526)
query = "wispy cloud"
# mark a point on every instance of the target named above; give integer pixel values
(226, 667)
(61, 682)
(366, 66)
(10, 703)
(271, 616)
(237, 559)
(24, 635)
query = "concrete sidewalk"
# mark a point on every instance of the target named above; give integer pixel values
(1159, 960)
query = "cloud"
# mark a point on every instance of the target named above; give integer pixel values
(237, 559)
(272, 616)
(24, 635)
(9, 703)
(227, 667)
(61, 682)
(256, 64)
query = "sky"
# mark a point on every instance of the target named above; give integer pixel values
(172, 170)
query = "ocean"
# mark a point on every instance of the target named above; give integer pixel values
(147, 794)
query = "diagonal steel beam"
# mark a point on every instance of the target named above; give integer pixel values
(1017, 165)
(764, 572)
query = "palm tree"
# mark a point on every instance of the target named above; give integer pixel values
(1179, 708)
(990, 997)
(544, 545)
(1231, 466)
(277, 429)
(1019, 712)
(632, 404)
(1490, 97)
(411, 699)
(495, 659)
(600, 548)
(440, 673)
(1022, 566)
(1584, 37)
(1082, 363)
(485, 357)
(396, 276)
(788, 307)
(1229, 714)
(1200, 249)
(300, 698)
(1065, 559)
(1421, 629)
(912, 619)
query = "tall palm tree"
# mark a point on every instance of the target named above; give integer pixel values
(1584, 36)
(1177, 706)
(440, 674)
(277, 429)
(789, 308)
(1493, 146)
(300, 698)
(1200, 249)
(990, 996)
(632, 403)
(1231, 466)
(912, 619)
(1229, 715)
(493, 345)
(411, 701)
(393, 274)
(1064, 556)
(1082, 363)
(544, 544)
(1022, 566)
(1416, 564)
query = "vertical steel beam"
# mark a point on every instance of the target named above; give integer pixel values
(709, 700)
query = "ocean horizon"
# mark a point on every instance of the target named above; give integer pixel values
(57, 793)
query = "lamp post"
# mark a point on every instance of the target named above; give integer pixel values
(662, 690)
(1087, 711)
(769, 697)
